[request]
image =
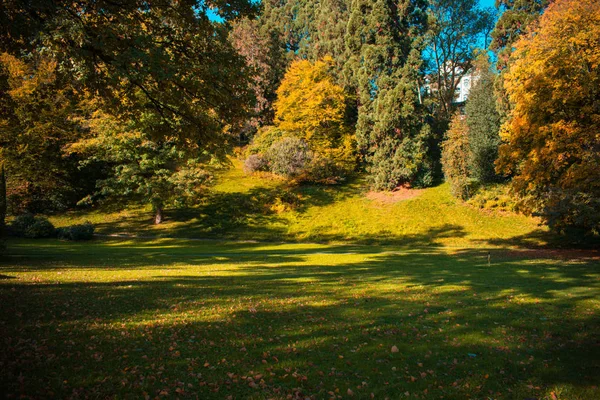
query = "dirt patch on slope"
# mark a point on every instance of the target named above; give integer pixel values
(398, 194)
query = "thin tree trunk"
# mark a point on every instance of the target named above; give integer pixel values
(158, 214)
(2, 201)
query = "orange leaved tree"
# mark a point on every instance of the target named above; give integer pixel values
(552, 136)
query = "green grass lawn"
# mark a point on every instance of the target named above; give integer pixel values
(202, 319)
(254, 208)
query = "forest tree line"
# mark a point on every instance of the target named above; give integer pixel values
(140, 101)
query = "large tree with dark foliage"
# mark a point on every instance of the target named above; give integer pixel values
(514, 20)
(483, 121)
(384, 42)
(166, 64)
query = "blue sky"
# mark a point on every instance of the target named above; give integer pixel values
(487, 3)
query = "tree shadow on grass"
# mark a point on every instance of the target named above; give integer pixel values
(462, 327)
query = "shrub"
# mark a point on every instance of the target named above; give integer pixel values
(289, 157)
(41, 228)
(496, 197)
(325, 170)
(455, 158)
(264, 139)
(77, 232)
(21, 223)
(255, 163)
(30, 226)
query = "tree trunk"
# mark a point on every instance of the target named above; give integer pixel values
(158, 214)
(2, 200)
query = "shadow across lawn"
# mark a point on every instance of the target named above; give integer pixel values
(298, 320)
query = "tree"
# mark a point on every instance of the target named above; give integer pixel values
(142, 57)
(2, 202)
(265, 56)
(166, 65)
(455, 157)
(312, 107)
(36, 103)
(455, 27)
(384, 55)
(550, 140)
(483, 122)
(514, 20)
(155, 171)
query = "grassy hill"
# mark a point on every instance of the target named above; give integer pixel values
(263, 208)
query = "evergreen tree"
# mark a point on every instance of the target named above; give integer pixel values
(384, 46)
(483, 121)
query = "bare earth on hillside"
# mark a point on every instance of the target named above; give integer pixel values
(398, 194)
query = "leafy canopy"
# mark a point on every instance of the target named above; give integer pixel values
(551, 142)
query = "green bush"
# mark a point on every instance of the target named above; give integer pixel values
(21, 223)
(289, 157)
(77, 232)
(30, 226)
(264, 139)
(41, 228)
(325, 170)
(496, 197)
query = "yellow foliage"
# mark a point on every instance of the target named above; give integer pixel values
(312, 107)
(553, 82)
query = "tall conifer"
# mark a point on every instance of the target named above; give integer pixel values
(384, 41)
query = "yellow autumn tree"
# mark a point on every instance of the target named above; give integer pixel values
(552, 136)
(312, 107)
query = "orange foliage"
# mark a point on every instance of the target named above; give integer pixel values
(552, 135)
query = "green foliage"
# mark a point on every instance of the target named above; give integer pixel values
(264, 139)
(21, 223)
(495, 197)
(77, 232)
(289, 157)
(384, 43)
(455, 158)
(41, 228)
(32, 227)
(483, 121)
(153, 171)
(550, 139)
